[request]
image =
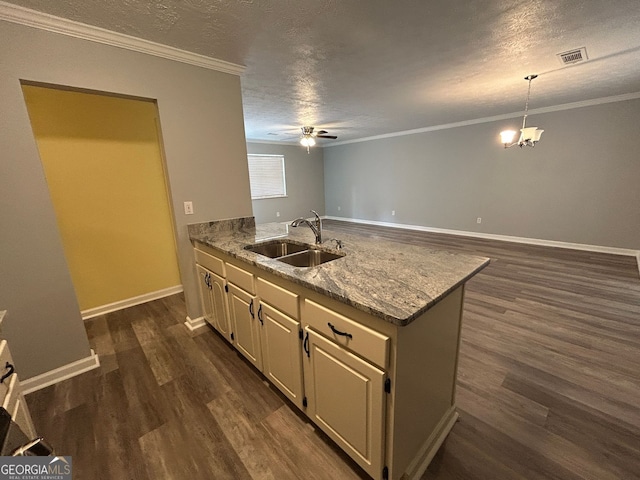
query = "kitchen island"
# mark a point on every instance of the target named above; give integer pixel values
(366, 345)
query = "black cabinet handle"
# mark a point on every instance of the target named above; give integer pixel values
(338, 332)
(11, 369)
(260, 315)
(305, 345)
(251, 309)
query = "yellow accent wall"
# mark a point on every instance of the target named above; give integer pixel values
(103, 163)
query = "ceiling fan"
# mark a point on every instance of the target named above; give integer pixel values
(309, 136)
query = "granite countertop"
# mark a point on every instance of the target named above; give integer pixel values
(392, 281)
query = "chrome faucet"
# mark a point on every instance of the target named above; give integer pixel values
(316, 226)
(339, 243)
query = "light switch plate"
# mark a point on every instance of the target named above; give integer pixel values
(188, 208)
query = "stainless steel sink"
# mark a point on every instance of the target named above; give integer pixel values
(276, 248)
(296, 254)
(310, 258)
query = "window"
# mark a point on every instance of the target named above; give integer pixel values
(266, 175)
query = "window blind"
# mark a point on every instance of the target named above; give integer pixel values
(266, 176)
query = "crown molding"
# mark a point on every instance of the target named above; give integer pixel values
(495, 118)
(43, 21)
(272, 142)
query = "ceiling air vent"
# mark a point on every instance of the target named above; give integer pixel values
(573, 56)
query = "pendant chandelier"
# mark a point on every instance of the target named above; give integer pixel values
(529, 136)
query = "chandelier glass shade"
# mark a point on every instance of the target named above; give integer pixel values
(307, 141)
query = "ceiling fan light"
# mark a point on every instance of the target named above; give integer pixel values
(307, 141)
(507, 136)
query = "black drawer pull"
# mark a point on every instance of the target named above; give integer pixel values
(260, 315)
(11, 369)
(338, 332)
(251, 309)
(305, 345)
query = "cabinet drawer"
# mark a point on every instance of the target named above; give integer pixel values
(210, 262)
(372, 345)
(240, 278)
(283, 300)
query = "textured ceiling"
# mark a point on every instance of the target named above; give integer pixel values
(360, 68)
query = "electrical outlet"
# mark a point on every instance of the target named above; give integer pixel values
(277, 214)
(479, 220)
(393, 212)
(188, 208)
(339, 208)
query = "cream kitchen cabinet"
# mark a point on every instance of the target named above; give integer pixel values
(213, 297)
(243, 308)
(11, 393)
(217, 290)
(214, 301)
(264, 321)
(205, 296)
(383, 392)
(345, 382)
(280, 337)
(346, 399)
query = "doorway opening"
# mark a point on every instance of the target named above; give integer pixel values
(103, 159)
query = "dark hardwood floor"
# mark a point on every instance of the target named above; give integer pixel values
(548, 384)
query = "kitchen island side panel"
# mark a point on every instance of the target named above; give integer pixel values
(425, 377)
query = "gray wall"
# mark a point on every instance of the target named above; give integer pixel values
(203, 133)
(581, 184)
(304, 174)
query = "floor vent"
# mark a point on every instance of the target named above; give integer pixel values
(573, 56)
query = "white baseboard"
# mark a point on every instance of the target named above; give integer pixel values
(61, 373)
(195, 325)
(503, 238)
(130, 302)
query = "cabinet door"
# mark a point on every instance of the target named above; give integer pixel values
(205, 296)
(346, 399)
(220, 313)
(281, 352)
(15, 404)
(246, 329)
(214, 301)
(11, 397)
